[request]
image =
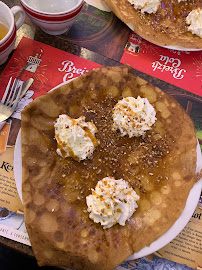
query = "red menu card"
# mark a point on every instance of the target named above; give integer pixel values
(181, 68)
(47, 65)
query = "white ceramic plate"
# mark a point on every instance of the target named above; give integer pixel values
(166, 238)
(178, 48)
(100, 4)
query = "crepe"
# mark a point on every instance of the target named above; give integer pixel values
(160, 167)
(167, 27)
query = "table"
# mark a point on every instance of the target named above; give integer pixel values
(110, 33)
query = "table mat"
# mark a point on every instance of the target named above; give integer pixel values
(48, 66)
(180, 68)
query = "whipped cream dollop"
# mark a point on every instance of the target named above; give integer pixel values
(75, 137)
(149, 6)
(133, 116)
(194, 20)
(112, 201)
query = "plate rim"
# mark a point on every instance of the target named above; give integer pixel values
(170, 47)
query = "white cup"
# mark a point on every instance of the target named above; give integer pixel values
(53, 17)
(7, 18)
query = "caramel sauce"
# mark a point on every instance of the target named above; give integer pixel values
(90, 135)
(62, 145)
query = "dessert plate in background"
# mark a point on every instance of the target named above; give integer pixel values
(167, 26)
(178, 48)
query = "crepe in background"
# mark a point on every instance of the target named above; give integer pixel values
(167, 27)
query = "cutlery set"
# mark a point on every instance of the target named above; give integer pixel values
(13, 93)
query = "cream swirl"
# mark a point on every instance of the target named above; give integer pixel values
(149, 6)
(75, 137)
(194, 20)
(133, 116)
(112, 201)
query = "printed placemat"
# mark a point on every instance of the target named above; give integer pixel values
(180, 68)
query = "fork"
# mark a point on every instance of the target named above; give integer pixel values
(7, 106)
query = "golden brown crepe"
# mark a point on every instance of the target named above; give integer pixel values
(167, 27)
(160, 167)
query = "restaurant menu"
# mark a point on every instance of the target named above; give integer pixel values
(186, 248)
(50, 67)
